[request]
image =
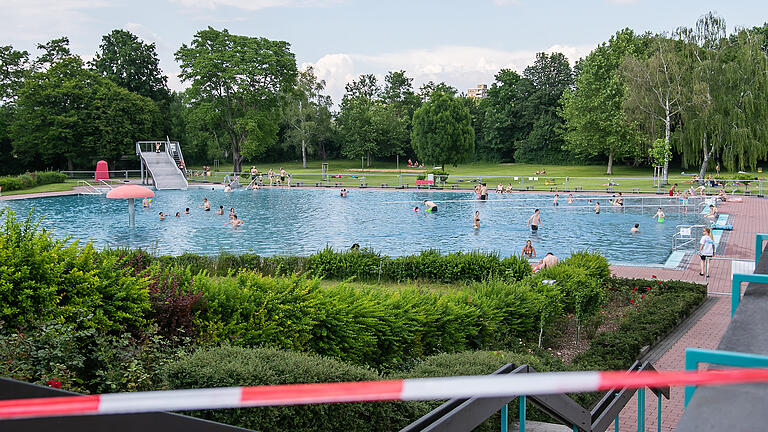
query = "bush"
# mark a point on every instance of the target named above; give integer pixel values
(593, 263)
(175, 302)
(44, 279)
(28, 180)
(660, 311)
(232, 366)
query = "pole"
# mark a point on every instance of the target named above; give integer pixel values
(131, 211)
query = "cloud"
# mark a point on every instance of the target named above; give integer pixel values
(623, 2)
(507, 2)
(255, 4)
(460, 66)
(37, 20)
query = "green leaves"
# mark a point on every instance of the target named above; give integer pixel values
(442, 131)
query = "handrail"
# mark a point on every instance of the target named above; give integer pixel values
(106, 183)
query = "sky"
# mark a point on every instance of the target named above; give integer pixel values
(460, 42)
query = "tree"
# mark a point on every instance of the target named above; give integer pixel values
(131, 64)
(508, 117)
(655, 90)
(68, 115)
(367, 125)
(428, 89)
(399, 97)
(595, 122)
(442, 131)
(54, 51)
(241, 77)
(307, 112)
(14, 68)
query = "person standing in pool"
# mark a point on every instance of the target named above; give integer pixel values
(659, 216)
(483, 191)
(534, 221)
(206, 205)
(235, 222)
(597, 207)
(162, 216)
(220, 211)
(431, 207)
(477, 220)
(570, 198)
(528, 250)
(231, 213)
(554, 200)
(186, 210)
(635, 229)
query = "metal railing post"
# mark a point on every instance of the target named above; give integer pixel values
(504, 419)
(522, 415)
(694, 356)
(737, 279)
(641, 410)
(658, 422)
(759, 239)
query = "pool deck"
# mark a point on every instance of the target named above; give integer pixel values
(74, 191)
(748, 218)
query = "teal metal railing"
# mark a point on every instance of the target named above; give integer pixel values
(694, 356)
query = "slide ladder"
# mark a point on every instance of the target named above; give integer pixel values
(164, 163)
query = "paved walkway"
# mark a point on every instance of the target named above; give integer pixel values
(748, 218)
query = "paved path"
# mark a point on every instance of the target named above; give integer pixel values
(748, 218)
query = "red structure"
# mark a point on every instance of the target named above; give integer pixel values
(102, 171)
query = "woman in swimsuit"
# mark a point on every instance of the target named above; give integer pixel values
(477, 220)
(528, 250)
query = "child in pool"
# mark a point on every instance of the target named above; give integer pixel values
(659, 215)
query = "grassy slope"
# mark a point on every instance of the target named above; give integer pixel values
(593, 176)
(54, 187)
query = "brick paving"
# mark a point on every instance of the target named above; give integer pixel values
(748, 218)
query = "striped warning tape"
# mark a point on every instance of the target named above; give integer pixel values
(368, 391)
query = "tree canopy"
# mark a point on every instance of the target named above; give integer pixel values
(442, 131)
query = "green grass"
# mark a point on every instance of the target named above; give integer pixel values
(53, 187)
(588, 177)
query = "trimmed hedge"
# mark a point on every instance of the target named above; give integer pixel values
(659, 308)
(364, 265)
(28, 180)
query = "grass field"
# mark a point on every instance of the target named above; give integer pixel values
(465, 176)
(53, 187)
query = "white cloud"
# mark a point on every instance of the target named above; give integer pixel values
(37, 20)
(254, 4)
(460, 66)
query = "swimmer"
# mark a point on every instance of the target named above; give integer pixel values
(227, 188)
(206, 205)
(554, 200)
(431, 207)
(477, 220)
(178, 214)
(570, 198)
(416, 209)
(659, 216)
(597, 207)
(534, 221)
(232, 212)
(635, 229)
(186, 210)
(220, 211)
(235, 222)
(343, 193)
(145, 202)
(619, 201)
(163, 216)
(528, 250)
(483, 191)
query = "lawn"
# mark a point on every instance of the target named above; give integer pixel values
(522, 176)
(53, 187)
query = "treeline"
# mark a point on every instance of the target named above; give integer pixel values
(697, 97)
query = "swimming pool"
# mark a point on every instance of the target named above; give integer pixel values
(302, 221)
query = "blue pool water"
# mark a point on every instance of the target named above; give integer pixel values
(302, 221)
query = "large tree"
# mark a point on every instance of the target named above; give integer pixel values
(656, 92)
(241, 77)
(131, 64)
(509, 115)
(442, 131)
(595, 122)
(14, 69)
(400, 98)
(307, 112)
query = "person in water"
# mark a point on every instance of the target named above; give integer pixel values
(163, 216)
(555, 199)
(477, 220)
(178, 214)
(343, 193)
(570, 198)
(206, 205)
(235, 222)
(635, 229)
(431, 207)
(597, 207)
(186, 210)
(534, 221)
(146, 202)
(231, 212)
(528, 250)
(220, 211)
(659, 216)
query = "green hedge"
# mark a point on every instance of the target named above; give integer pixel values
(29, 180)
(364, 265)
(658, 308)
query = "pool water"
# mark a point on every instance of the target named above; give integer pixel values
(302, 221)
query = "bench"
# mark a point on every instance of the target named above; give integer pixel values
(337, 185)
(578, 188)
(635, 190)
(318, 184)
(363, 185)
(384, 185)
(553, 188)
(403, 186)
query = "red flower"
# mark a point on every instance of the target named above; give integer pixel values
(53, 383)
(659, 281)
(632, 300)
(653, 276)
(642, 296)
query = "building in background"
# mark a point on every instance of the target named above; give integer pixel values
(478, 92)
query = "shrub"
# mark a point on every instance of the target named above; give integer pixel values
(593, 263)
(175, 302)
(232, 366)
(29, 180)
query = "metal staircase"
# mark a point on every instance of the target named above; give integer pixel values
(164, 163)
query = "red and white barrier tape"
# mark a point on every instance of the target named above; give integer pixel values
(368, 391)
